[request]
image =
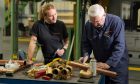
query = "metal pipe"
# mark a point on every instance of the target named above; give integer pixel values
(56, 73)
(49, 72)
(69, 68)
(69, 54)
(2, 21)
(14, 34)
(77, 31)
(107, 72)
(65, 71)
(35, 11)
(86, 74)
(78, 65)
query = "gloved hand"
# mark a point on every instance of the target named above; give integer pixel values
(83, 59)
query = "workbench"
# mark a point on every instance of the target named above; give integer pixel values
(20, 78)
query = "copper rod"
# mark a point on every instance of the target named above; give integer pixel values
(106, 72)
(99, 70)
(78, 65)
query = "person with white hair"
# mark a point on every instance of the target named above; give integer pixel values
(104, 35)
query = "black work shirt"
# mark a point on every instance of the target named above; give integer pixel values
(49, 36)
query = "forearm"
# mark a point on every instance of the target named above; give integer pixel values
(66, 43)
(31, 48)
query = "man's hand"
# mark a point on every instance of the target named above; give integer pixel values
(83, 59)
(102, 65)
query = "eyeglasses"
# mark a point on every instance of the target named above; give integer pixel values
(95, 19)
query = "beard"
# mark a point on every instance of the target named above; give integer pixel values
(98, 26)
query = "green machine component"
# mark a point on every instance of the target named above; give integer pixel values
(77, 31)
(14, 26)
(14, 35)
(1, 26)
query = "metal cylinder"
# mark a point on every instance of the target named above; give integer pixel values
(86, 74)
(69, 68)
(60, 67)
(78, 65)
(56, 73)
(65, 73)
(49, 72)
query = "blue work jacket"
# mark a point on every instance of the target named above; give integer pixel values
(108, 44)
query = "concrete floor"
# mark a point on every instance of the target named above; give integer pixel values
(134, 76)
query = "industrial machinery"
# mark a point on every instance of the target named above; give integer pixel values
(129, 11)
(133, 33)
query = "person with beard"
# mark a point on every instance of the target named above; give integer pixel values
(104, 35)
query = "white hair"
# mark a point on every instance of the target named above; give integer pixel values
(96, 10)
